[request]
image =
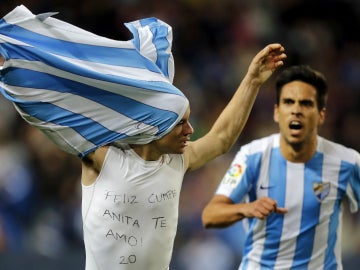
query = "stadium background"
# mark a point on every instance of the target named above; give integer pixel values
(40, 196)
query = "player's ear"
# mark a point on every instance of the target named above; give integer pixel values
(276, 113)
(322, 117)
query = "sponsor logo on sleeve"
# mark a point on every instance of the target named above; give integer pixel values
(234, 174)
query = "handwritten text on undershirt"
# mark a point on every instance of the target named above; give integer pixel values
(117, 214)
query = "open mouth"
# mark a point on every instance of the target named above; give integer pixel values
(295, 125)
(185, 143)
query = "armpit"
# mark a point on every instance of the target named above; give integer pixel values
(87, 160)
(95, 159)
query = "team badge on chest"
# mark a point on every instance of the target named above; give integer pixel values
(321, 190)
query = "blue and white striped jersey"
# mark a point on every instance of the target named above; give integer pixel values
(309, 235)
(83, 90)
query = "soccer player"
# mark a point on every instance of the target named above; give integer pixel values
(131, 195)
(130, 192)
(290, 186)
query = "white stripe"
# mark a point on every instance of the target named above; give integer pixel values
(147, 47)
(51, 27)
(88, 108)
(126, 72)
(338, 246)
(329, 175)
(292, 221)
(259, 230)
(251, 266)
(6, 39)
(258, 243)
(59, 134)
(171, 65)
(147, 97)
(264, 169)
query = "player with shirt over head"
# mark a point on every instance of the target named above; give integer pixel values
(130, 184)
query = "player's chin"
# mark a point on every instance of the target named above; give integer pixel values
(295, 141)
(181, 149)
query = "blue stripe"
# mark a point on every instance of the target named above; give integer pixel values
(159, 40)
(147, 21)
(92, 131)
(161, 44)
(32, 54)
(245, 185)
(343, 180)
(310, 212)
(354, 181)
(254, 163)
(136, 38)
(86, 127)
(330, 258)
(274, 223)
(248, 185)
(126, 106)
(93, 53)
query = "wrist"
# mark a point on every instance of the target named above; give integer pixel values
(252, 81)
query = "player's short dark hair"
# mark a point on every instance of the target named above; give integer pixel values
(305, 74)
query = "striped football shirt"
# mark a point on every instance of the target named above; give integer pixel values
(83, 90)
(309, 235)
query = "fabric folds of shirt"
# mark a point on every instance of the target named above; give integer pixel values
(83, 90)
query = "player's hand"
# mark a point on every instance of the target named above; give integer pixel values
(263, 207)
(266, 62)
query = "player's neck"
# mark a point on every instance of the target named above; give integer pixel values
(146, 152)
(298, 153)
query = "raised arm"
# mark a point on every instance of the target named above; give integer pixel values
(231, 121)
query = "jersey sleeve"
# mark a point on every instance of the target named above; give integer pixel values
(353, 190)
(237, 180)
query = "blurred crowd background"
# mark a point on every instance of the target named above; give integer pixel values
(214, 41)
